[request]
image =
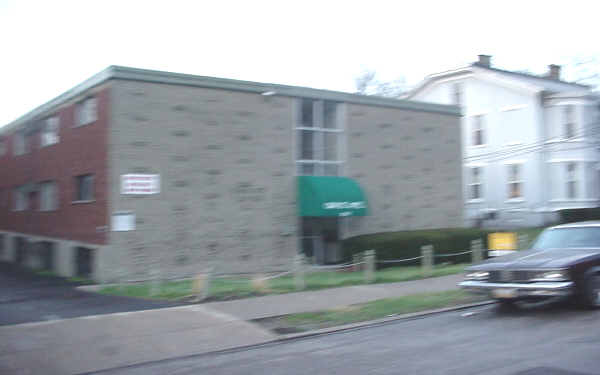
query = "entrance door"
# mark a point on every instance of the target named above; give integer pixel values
(319, 239)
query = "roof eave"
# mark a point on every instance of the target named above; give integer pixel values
(143, 75)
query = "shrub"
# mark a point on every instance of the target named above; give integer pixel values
(403, 245)
(579, 214)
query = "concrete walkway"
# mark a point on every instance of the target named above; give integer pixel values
(93, 343)
(85, 344)
(282, 304)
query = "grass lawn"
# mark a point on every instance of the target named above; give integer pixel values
(368, 311)
(233, 288)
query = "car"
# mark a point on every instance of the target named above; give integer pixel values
(563, 262)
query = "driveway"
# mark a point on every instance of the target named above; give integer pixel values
(26, 297)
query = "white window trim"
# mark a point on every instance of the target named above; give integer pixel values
(515, 200)
(575, 180)
(519, 181)
(513, 107)
(573, 200)
(475, 201)
(514, 161)
(470, 184)
(482, 129)
(476, 164)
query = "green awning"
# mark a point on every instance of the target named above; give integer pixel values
(330, 196)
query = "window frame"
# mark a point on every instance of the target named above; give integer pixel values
(477, 131)
(86, 111)
(78, 188)
(20, 195)
(20, 143)
(47, 204)
(475, 183)
(571, 181)
(457, 93)
(569, 124)
(48, 136)
(320, 128)
(518, 181)
(3, 146)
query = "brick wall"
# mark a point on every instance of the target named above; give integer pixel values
(81, 150)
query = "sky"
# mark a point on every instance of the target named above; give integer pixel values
(47, 47)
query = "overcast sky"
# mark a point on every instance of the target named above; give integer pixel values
(48, 47)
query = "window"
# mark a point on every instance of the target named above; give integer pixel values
(20, 199)
(86, 112)
(21, 145)
(48, 196)
(456, 94)
(478, 130)
(49, 133)
(515, 184)
(569, 122)
(571, 180)
(318, 135)
(85, 187)
(475, 185)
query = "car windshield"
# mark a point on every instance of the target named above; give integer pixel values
(568, 238)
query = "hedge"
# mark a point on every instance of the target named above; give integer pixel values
(403, 245)
(579, 214)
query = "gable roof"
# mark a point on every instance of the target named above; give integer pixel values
(532, 81)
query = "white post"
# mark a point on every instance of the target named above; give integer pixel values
(369, 266)
(427, 262)
(476, 251)
(299, 281)
(155, 281)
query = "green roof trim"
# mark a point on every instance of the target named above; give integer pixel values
(327, 196)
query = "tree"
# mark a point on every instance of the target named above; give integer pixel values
(368, 84)
(585, 70)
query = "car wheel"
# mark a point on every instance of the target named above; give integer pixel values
(591, 295)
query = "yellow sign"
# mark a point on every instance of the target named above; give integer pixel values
(502, 241)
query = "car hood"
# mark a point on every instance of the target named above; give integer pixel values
(551, 258)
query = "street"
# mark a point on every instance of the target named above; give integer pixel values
(556, 340)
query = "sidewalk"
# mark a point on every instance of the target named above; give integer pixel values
(290, 303)
(93, 343)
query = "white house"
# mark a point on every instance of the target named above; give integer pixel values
(530, 143)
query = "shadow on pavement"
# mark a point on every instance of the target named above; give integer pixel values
(28, 297)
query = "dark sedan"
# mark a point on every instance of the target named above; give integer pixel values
(564, 261)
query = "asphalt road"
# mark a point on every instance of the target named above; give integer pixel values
(556, 340)
(26, 297)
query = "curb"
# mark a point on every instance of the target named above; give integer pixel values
(379, 322)
(304, 335)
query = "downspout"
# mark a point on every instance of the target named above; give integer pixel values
(544, 177)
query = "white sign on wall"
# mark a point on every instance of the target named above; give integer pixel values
(140, 184)
(123, 221)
